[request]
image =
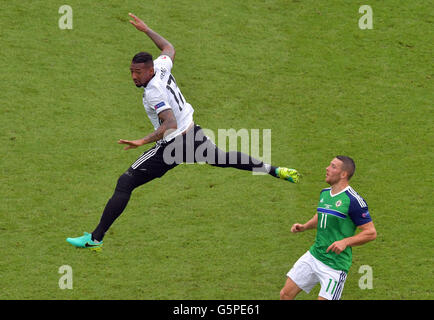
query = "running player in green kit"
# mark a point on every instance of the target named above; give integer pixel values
(341, 210)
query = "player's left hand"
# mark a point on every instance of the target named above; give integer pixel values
(138, 23)
(337, 246)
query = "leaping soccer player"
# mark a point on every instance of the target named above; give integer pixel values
(172, 118)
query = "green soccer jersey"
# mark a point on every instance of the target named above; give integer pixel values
(338, 217)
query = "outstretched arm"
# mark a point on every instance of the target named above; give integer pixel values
(297, 227)
(162, 44)
(168, 125)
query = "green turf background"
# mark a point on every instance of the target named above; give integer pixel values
(303, 69)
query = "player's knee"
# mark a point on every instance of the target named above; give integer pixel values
(289, 291)
(284, 295)
(125, 183)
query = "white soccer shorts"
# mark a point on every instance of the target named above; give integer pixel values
(309, 271)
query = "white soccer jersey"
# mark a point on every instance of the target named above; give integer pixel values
(162, 93)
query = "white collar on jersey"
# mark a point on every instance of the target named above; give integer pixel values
(343, 190)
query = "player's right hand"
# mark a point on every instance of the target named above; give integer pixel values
(131, 144)
(297, 227)
(139, 24)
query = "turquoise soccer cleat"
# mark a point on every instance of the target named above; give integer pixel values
(291, 175)
(85, 241)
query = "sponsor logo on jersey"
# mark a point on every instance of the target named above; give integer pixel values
(161, 104)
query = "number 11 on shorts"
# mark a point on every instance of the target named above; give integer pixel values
(334, 286)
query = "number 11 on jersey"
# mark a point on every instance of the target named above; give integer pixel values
(323, 222)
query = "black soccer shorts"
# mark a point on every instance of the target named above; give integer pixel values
(191, 147)
(164, 156)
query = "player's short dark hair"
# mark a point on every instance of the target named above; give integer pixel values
(143, 57)
(348, 165)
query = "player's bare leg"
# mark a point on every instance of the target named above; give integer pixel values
(289, 291)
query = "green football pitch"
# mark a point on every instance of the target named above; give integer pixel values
(304, 70)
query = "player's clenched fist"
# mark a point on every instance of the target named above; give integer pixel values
(297, 227)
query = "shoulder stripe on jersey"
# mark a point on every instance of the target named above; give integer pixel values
(358, 197)
(332, 212)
